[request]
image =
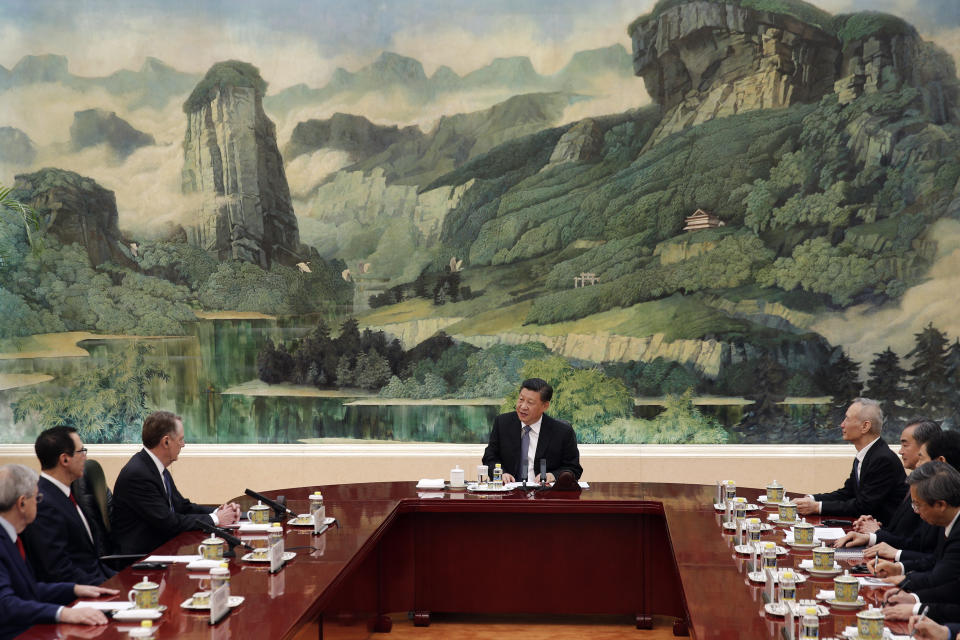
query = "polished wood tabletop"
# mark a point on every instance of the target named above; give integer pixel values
(397, 547)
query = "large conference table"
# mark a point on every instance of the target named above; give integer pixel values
(628, 550)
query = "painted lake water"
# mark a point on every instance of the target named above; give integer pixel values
(220, 354)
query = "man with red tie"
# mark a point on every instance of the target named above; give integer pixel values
(23, 600)
(63, 544)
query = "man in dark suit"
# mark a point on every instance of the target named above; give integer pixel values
(935, 490)
(521, 438)
(876, 483)
(62, 543)
(23, 600)
(905, 523)
(147, 508)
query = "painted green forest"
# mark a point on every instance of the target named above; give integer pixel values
(296, 265)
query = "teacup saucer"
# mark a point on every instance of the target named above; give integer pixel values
(783, 523)
(760, 576)
(286, 557)
(234, 601)
(797, 545)
(779, 609)
(750, 507)
(747, 549)
(732, 526)
(296, 522)
(824, 573)
(833, 602)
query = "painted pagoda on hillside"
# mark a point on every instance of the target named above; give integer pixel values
(702, 220)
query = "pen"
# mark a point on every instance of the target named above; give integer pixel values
(923, 613)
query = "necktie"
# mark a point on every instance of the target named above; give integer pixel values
(524, 452)
(74, 500)
(23, 552)
(856, 470)
(168, 484)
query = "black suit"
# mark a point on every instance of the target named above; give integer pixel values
(942, 568)
(57, 543)
(23, 600)
(903, 523)
(142, 516)
(944, 612)
(557, 443)
(877, 493)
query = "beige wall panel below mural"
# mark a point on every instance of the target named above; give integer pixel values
(213, 473)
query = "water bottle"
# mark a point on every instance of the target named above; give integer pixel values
(317, 510)
(809, 624)
(788, 587)
(497, 476)
(770, 556)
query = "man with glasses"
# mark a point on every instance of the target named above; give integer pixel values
(23, 600)
(63, 544)
(147, 508)
(935, 491)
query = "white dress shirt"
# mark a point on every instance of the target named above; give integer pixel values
(860, 456)
(532, 451)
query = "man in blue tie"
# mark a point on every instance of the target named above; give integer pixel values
(147, 508)
(521, 438)
(23, 600)
(876, 484)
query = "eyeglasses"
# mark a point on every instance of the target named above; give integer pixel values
(83, 451)
(37, 496)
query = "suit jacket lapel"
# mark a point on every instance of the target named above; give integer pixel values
(21, 567)
(67, 510)
(542, 441)
(152, 472)
(511, 465)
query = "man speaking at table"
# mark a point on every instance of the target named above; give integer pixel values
(521, 438)
(147, 508)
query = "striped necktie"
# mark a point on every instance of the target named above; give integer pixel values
(525, 452)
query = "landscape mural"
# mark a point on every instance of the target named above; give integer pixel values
(703, 221)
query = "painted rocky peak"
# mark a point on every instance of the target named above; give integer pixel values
(232, 161)
(76, 209)
(703, 59)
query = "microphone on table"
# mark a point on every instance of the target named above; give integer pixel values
(231, 539)
(278, 509)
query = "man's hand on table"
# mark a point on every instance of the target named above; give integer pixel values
(550, 478)
(228, 513)
(806, 506)
(82, 615)
(898, 596)
(882, 550)
(898, 611)
(884, 569)
(852, 539)
(508, 478)
(923, 627)
(91, 591)
(866, 524)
